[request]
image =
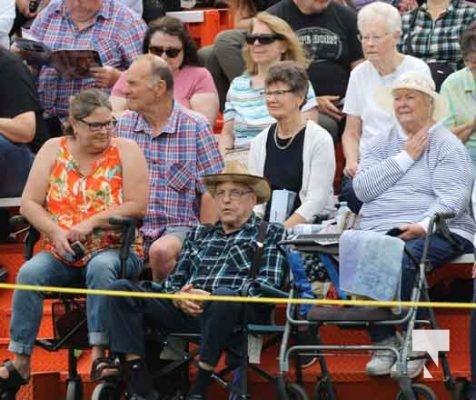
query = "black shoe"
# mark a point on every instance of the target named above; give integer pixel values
(151, 396)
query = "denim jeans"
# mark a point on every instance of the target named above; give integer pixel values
(440, 251)
(347, 194)
(15, 163)
(46, 270)
(217, 324)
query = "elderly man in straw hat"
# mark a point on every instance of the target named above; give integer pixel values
(417, 169)
(215, 260)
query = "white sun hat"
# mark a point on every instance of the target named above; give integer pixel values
(413, 81)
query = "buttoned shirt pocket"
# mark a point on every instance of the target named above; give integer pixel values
(180, 176)
(239, 259)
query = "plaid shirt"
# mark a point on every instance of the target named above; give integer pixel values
(116, 33)
(436, 40)
(177, 158)
(211, 259)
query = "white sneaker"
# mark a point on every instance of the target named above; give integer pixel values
(414, 367)
(382, 361)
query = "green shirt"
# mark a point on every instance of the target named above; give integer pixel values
(459, 89)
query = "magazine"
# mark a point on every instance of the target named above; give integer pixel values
(70, 63)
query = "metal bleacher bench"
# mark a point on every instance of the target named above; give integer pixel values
(10, 202)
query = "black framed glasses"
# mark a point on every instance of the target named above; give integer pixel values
(277, 93)
(263, 38)
(170, 52)
(233, 194)
(98, 126)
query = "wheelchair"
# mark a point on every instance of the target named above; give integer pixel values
(69, 310)
(232, 377)
(361, 317)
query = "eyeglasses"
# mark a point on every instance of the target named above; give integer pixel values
(374, 38)
(233, 194)
(170, 52)
(264, 38)
(98, 126)
(277, 93)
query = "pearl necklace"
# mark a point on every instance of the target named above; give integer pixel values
(288, 144)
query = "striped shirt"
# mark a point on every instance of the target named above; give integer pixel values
(436, 40)
(116, 34)
(177, 159)
(397, 190)
(211, 259)
(246, 107)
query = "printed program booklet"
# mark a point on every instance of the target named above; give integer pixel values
(70, 63)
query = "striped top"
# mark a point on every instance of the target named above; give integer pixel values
(246, 106)
(397, 190)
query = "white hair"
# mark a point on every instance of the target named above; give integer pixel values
(378, 10)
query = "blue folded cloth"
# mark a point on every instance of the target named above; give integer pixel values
(370, 264)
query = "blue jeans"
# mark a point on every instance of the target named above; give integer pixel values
(46, 270)
(347, 194)
(15, 163)
(440, 251)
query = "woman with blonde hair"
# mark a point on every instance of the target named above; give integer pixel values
(268, 41)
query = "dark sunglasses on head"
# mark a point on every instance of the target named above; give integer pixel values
(171, 52)
(264, 38)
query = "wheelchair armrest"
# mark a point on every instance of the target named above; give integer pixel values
(260, 289)
(128, 226)
(32, 236)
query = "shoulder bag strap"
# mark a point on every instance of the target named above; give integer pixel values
(263, 227)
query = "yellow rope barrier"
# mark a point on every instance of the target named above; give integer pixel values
(265, 300)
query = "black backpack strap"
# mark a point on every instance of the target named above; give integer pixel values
(263, 227)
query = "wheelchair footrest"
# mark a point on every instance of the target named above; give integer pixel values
(48, 344)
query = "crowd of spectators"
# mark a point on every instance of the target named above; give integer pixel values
(292, 79)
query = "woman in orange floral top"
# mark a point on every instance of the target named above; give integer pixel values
(76, 184)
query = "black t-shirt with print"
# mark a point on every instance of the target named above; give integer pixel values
(331, 42)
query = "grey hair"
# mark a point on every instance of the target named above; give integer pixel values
(291, 73)
(84, 104)
(378, 10)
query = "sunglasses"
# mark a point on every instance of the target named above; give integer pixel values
(169, 52)
(264, 38)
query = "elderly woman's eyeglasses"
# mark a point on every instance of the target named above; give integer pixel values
(98, 126)
(373, 38)
(264, 38)
(170, 52)
(276, 93)
(233, 194)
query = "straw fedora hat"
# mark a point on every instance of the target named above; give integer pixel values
(414, 81)
(235, 171)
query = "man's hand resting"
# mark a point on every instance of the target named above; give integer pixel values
(191, 307)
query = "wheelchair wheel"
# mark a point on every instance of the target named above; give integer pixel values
(420, 391)
(106, 391)
(8, 395)
(324, 391)
(461, 386)
(74, 390)
(295, 392)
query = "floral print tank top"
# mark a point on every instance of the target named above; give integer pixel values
(73, 197)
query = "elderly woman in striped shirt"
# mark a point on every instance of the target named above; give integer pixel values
(417, 169)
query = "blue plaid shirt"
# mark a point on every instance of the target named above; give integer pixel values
(177, 158)
(116, 34)
(211, 259)
(436, 40)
